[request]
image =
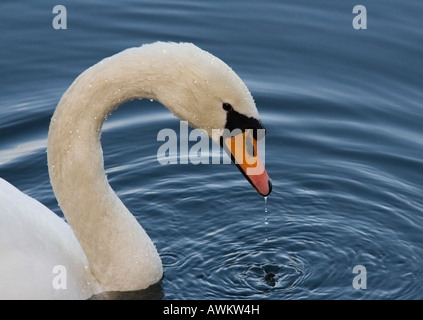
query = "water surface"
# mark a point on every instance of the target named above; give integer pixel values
(344, 145)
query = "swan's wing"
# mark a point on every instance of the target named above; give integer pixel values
(40, 257)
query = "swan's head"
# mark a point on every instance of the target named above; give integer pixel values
(203, 90)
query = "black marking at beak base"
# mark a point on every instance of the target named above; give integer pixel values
(236, 120)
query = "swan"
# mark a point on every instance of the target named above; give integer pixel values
(102, 247)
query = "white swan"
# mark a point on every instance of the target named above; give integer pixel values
(103, 248)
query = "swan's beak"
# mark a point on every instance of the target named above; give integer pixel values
(243, 149)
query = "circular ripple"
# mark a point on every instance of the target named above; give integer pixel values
(253, 276)
(171, 258)
(263, 277)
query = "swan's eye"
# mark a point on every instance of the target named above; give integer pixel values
(227, 107)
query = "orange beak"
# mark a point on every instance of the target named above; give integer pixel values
(243, 149)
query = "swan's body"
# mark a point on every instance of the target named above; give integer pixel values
(32, 241)
(104, 248)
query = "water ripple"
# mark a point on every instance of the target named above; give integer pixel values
(343, 113)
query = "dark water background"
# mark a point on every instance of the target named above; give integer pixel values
(344, 146)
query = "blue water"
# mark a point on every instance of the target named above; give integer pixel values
(343, 109)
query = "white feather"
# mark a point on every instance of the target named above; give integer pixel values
(103, 248)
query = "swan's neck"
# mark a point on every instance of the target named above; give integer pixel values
(120, 254)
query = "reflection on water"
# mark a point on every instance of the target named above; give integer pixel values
(153, 292)
(21, 150)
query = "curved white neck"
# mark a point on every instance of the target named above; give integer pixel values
(120, 254)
